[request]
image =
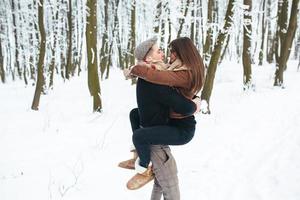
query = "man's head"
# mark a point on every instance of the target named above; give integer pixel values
(148, 51)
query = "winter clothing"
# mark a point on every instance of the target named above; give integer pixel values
(160, 65)
(155, 101)
(129, 164)
(165, 174)
(142, 49)
(177, 132)
(176, 66)
(176, 78)
(179, 77)
(140, 179)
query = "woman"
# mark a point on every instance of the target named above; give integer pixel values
(188, 80)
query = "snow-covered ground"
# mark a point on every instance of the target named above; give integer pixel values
(247, 149)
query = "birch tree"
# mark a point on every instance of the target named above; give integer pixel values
(263, 31)
(16, 33)
(2, 72)
(182, 19)
(247, 79)
(207, 49)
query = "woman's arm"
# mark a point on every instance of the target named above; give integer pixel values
(169, 78)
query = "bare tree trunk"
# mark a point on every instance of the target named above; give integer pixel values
(157, 17)
(201, 22)
(247, 78)
(198, 27)
(263, 30)
(286, 44)
(270, 41)
(109, 62)
(53, 49)
(169, 26)
(114, 33)
(281, 27)
(238, 47)
(211, 71)
(69, 35)
(62, 55)
(207, 49)
(80, 37)
(40, 79)
(182, 20)
(163, 31)
(31, 43)
(2, 72)
(129, 58)
(132, 38)
(14, 14)
(22, 43)
(91, 45)
(224, 49)
(119, 46)
(297, 47)
(192, 34)
(105, 43)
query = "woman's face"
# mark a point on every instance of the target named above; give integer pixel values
(172, 57)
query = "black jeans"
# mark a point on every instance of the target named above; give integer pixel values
(176, 132)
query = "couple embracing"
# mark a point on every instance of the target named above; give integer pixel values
(167, 101)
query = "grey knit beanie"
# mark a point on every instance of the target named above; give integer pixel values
(142, 49)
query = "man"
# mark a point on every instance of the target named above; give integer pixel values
(154, 103)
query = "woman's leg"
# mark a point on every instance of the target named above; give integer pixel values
(134, 117)
(135, 124)
(143, 138)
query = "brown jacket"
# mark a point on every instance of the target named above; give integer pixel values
(180, 79)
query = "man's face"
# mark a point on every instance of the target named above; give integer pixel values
(155, 53)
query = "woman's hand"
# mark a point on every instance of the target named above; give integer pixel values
(197, 101)
(127, 73)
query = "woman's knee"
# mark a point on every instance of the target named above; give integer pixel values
(188, 137)
(134, 119)
(134, 113)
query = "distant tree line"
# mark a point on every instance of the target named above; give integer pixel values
(43, 41)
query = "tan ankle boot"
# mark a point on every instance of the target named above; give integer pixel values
(129, 164)
(140, 179)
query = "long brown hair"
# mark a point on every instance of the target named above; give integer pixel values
(187, 52)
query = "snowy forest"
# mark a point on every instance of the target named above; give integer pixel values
(45, 41)
(65, 104)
